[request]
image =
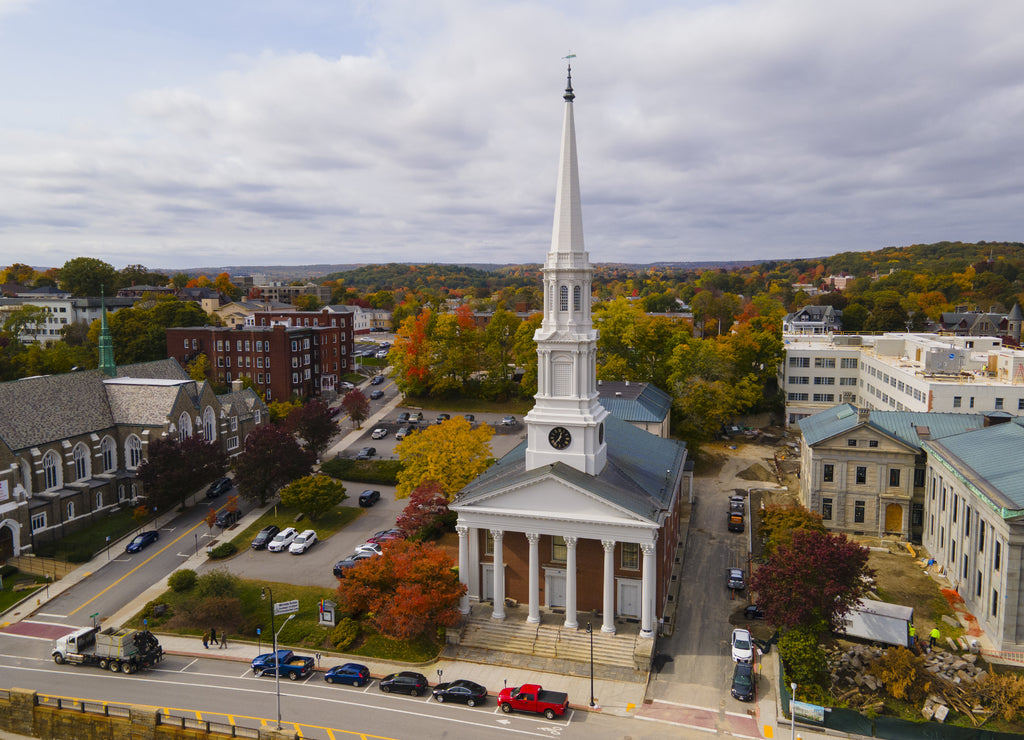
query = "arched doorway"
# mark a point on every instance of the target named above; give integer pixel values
(893, 518)
(6, 544)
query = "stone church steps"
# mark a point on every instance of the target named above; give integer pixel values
(548, 641)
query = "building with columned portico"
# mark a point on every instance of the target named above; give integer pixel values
(583, 516)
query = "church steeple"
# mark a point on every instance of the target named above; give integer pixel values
(106, 359)
(567, 422)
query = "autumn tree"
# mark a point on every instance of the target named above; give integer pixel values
(452, 454)
(224, 285)
(356, 405)
(307, 302)
(313, 423)
(779, 522)
(409, 591)
(140, 332)
(270, 459)
(313, 495)
(424, 515)
(18, 273)
(199, 368)
(176, 468)
(411, 353)
(812, 581)
(524, 352)
(86, 276)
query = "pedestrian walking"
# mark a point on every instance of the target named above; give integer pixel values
(933, 636)
(213, 636)
(223, 639)
(206, 640)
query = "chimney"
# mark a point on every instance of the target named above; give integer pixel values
(863, 415)
(236, 386)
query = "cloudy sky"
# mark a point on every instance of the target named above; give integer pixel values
(187, 133)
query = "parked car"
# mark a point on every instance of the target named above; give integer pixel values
(366, 453)
(737, 504)
(388, 535)
(302, 542)
(263, 538)
(469, 417)
(374, 395)
(467, 692)
(283, 663)
(373, 548)
(377, 380)
(219, 486)
(734, 579)
(406, 682)
(354, 674)
(735, 521)
(142, 540)
(508, 421)
(369, 498)
(743, 681)
(346, 386)
(333, 411)
(227, 518)
(742, 647)
(379, 433)
(403, 418)
(753, 611)
(442, 418)
(382, 353)
(402, 433)
(350, 562)
(415, 417)
(283, 539)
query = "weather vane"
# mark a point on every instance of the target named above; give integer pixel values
(570, 56)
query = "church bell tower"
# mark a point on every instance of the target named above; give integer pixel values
(566, 423)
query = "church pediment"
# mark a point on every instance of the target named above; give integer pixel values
(549, 497)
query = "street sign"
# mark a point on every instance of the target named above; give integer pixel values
(286, 607)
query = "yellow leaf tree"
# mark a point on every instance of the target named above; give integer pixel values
(452, 453)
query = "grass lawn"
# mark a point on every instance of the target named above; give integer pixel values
(27, 585)
(91, 539)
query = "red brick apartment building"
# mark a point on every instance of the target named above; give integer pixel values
(298, 353)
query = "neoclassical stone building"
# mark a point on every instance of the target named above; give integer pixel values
(583, 516)
(70, 444)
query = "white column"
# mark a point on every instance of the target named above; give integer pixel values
(499, 576)
(533, 538)
(570, 583)
(475, 589)
(647, 592)
(609, 586)
(463, 532)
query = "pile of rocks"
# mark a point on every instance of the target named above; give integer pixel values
(954, 668)
(853, 682)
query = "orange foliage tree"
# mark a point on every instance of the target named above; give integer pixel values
(409, 591)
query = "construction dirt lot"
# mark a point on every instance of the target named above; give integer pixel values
(768, 461)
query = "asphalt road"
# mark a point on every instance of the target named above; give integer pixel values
(227, 691)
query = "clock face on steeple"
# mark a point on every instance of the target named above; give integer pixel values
(559, 438)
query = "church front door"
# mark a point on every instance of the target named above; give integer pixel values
(629, 598)
(554, 587)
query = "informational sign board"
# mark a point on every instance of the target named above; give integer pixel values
(808, 712)
(286, 607)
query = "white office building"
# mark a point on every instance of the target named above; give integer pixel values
(901, 372)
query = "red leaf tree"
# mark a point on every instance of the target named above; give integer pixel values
(356, 405)
(427, 507)
(313, 423)
(812, 581)
(408, 591)
(270, 459)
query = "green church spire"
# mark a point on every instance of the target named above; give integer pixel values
(106, 341)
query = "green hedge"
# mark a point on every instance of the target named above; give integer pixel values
(384, 472)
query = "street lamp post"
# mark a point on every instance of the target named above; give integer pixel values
(792, 711)
(590, 632)
(277, 668)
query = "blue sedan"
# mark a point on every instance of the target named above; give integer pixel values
(350, 673)
(142, 540)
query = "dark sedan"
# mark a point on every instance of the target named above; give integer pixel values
(369, 498)
(219, 486)
(374, 395)
(743, 682)
(467, 692)
(366, 453)
(261, 540)
(350, 673)
(343, 565)
(141, 541)
(406, 682)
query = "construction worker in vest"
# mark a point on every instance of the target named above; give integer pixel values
(933, 636)
(911, 631)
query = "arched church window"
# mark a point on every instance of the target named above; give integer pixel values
(133, 452)
(184, 426)
(563, 298)
(209, 424)
(81, 456)
(108, 451)
(51, 470)
(576, 301)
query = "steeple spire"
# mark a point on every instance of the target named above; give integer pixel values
(106, 359)
(566, 423)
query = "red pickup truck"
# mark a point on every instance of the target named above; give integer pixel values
(532, 698)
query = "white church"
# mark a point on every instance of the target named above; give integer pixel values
(583, 516)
